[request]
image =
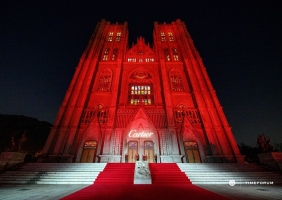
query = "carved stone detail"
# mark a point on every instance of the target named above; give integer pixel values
(142, 174)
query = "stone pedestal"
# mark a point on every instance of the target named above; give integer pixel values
(176, 158)
(9, 159)
(142, 173)
(272, 159)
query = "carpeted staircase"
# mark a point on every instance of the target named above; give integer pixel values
(168, 182)
(167, 173)
(116, 173)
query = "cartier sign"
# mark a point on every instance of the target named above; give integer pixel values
(143, 134)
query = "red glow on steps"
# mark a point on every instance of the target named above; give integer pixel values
(168, 182)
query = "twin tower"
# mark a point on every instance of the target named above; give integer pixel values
(141, 102)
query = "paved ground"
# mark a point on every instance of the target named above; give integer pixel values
(250, 192)
(238, 192)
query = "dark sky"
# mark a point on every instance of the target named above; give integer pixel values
(239, 41)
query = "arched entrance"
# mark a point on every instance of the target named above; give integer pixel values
(192, 152)
(89, 152)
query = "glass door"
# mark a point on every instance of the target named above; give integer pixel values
(89, 151)
(132, 151)
(192, 152)
(149, 151)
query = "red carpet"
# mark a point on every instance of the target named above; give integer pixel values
(168, 182)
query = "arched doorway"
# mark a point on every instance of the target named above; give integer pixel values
(132, 151)
(89, 152)
(192, 152)
(149, 151)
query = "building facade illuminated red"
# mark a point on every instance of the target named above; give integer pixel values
(151, 102)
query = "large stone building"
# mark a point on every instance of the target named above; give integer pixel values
(153, 102)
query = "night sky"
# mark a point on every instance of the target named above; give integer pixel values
(240, 43)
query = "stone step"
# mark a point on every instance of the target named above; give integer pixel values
(54, 173)
(221, 173)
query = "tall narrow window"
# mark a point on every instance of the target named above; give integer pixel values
(163, 37)
(105, 80)
(176, 81)
(110, 38)
(175, 54)
(106, 54)
(170, 36)
(118, 36)
(140, 93)
(166, 54)
(115, 52)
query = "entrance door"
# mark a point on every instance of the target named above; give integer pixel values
(89, 151)
(149, 151)
(132, 151)
(192, 152)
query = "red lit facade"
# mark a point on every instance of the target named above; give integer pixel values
(151, 102)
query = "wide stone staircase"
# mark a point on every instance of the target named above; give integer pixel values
(162, 173)
(222, 173)
(53, 173)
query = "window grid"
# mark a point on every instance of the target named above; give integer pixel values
(110, 38)
(176, 81)
(105, 81)
(141, 93)
(163, 37)
(170, 36)
(175, 54)
(118, 36)
(106, 54)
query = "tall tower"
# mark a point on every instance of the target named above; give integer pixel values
(152, 102)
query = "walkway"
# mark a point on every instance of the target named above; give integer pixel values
(53, 192)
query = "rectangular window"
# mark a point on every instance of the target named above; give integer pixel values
(110, 37)
(115, 52)
(118, 36)
(163, 37)
(170, 36)
(140, 93)
(106, 54)
(166, 54)
(175, 54)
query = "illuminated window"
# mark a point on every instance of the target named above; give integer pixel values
(131, 59)
(115, 52)
(166, 54)
(175, 54)
(140, 93)
(163, 37)
(118, 36)
(149, 59)
(110, 38)
(105, 80)
(170, 36)
(106, 54)
(176, 81)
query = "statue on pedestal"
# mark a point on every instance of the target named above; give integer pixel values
(264, 144)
